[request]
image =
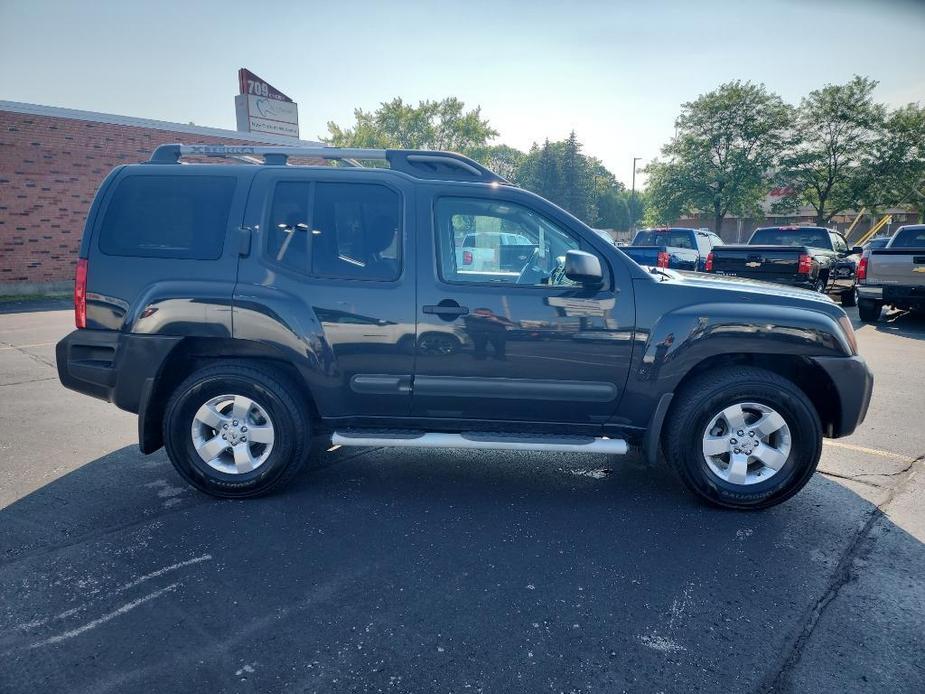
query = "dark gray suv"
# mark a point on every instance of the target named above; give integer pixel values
(244, 309)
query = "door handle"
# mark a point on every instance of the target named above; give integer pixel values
(447, 307)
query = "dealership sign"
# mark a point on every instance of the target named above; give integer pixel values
(261, 108)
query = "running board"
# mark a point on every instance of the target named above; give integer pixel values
(484, 441)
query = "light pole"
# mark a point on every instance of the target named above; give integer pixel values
(633, 197)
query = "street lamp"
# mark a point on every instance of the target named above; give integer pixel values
(633, 196)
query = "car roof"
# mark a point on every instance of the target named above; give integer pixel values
(427, 165)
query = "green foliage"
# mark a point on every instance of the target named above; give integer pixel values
(831, 151)
(726, 142)
(579, 183)
(503, 160)
(897, 174)
(443, 125)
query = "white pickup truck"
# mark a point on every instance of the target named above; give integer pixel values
(494, 252)
(893, 275)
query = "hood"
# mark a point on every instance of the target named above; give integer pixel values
(743, 290)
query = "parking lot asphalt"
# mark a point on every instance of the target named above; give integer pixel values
(419, 571)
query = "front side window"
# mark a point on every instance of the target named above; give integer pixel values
(838, 244)
(499, 242)
(182, 217)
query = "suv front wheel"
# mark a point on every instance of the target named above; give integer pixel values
(236, 430)
(743, 437)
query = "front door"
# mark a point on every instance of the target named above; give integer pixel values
(502, 334)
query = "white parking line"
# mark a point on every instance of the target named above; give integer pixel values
(863, 449)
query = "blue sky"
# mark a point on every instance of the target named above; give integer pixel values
(615, 72)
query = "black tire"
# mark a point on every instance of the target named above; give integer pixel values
(711, 392)
(869, 311)
(819, 286)
(266, 387)
(849, 298)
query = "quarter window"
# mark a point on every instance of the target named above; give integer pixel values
(183, 217)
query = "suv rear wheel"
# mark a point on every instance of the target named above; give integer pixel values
(236, 430)
(743, 438)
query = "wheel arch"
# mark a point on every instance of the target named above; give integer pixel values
(193, 353)
(809, 377)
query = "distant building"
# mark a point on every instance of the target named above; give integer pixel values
(51, 162)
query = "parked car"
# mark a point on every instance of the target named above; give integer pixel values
(812, 258)
(244, 310)
(494, 251)
(678, 248)
(893, 275)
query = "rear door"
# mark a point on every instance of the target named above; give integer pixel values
(328, 283)
(525, 344)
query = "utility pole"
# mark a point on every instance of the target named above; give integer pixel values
(633, 197)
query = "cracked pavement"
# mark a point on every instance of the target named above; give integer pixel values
(413, 571)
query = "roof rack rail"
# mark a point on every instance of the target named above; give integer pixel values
(424, 164)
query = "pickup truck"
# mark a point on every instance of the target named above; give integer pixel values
(678, 248)
(893, 275)
(813, 258)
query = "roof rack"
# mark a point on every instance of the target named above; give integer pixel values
(418, 163)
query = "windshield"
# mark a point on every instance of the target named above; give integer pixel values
(816, 238)
(910, 237)
(667, 237)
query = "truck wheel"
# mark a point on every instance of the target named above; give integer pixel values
(869, 311)
(236, 430)
(819, 286)
(743, 437)
(850, 297)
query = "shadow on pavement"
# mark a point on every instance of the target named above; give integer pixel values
(421, 571)
(905, 323)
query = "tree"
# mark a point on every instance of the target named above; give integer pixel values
(503, 160)
(828, 159)
(579, 183)
(896, 175)
(443, 125)
(727, 141)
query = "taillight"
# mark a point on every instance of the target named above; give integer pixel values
(80, 294)
(467, 257)
(862, 268)
(662, 260)
(806, 265)
(708, 266)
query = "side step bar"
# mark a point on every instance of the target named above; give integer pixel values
(485, 441)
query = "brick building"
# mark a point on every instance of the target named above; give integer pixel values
(51, 162)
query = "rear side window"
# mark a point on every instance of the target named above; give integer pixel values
(168, 217)
(355, 231)
(287, 235)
